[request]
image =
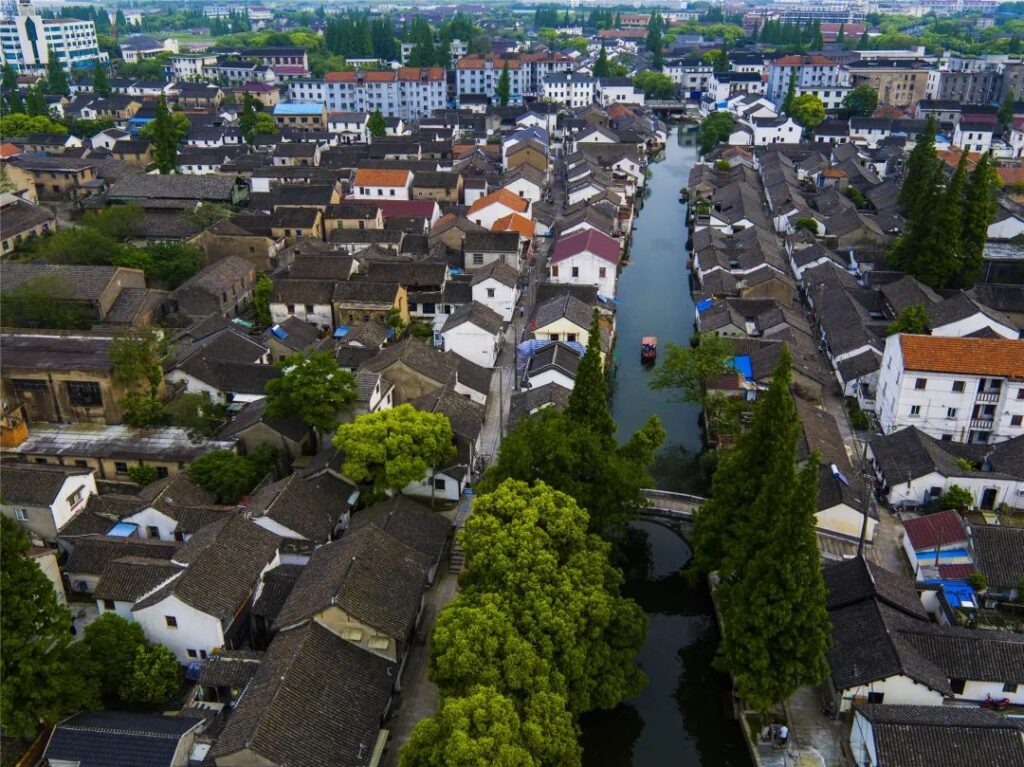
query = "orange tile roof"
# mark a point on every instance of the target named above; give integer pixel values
(616, 111)
(477, 61)
(513, 222)
(1010, 175)
(416, 74)
(9, 150)
(406, 74)
(970, 356)
(952, 157)
(796, 60)
(505, 197)
(375, 177)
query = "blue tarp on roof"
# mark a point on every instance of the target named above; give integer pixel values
(743, 365)
(279, 332)
(123, 530)
(703, 306)
(930, 556)
(957, 593)
(340, 332)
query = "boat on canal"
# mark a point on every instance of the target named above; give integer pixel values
(648, 350)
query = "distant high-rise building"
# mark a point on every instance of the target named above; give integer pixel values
(27, 39)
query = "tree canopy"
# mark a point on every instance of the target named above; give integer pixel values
(391, 449)
(312, 388)
(861, 101)
(807, 110)
(503, 90)
(714, 130)
(228, 475)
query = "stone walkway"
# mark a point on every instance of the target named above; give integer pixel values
(812, 731)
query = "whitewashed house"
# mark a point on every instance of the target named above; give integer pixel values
(42, 499)
(473, 331)
(586, 258)
(496, 286)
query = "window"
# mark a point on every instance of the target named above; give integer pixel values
(575, 271)
(947, 437)
(1016, 420)
(1020, 393)
(950, 412)
(934, 491)
(1010, 687)
(915, 410)
(120, 467)
(84, 393)
(439, 484)
(876, 697)
(378, 643)
(20, 515)
(81, 464)
(202, 654)
(490, 292)
(602, 272)
(958, 385)
(554, 271)
(108, 604)
(920, 383)
(191, 653)
(152, 531)
(171, 621)
(957, 686)
(478, 259)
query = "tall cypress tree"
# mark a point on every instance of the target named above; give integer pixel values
(164, 138)
(979, 210)
(504, 88)
(601, 66)
(920, 171)
(56, 78)
(841, 34)
(588, 403)
(758, 531)
(790, 91)
(100, 81)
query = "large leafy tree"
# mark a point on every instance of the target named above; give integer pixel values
(690, 370)
(807, 110)
(529, 545)
(758, 531)
(228, 475)
(714, 130)
(606, 479)
(312, 388)
(601, 66)
(155, 676)
(40, 683)
(393, 448)
(261, 293)
(911, 319)
(107, 652)
(862, 101)
(588, 403)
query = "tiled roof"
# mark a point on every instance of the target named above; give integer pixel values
(477, 314)
(410, 522)
(92, 554)
(128, 579)
(915, 736)
(999, 554)
(25, 484)
(946, 528)
(369, 574)
(373, 177)
(316, 699)
(310, 508)
(587, 240)
(118, 739)
(497, 270)
(466, 417)
(503, 196)
(514, 222)
(230, 668)
(970, 356)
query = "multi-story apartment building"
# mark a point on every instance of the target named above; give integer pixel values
(408, 92)
(692, 77)
(191, 67)
(537, 66)
(232, 71)
(287, 62)
(814, 74)
(27, 39)
(573, 89)
(968, 86)
(481, 74)
(961, 389)
(898, 82)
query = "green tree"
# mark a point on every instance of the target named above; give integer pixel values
(312, 388)
(977, 581)
(1006, 109)
(137, 358)
(18, 124)
(40, 682)
(100, 81)
(979, 211)
(480, 729)
(606, 479)
(207, 214)
(807, 110)
(261, 293)
(503, 90)
(197, 413)
(862, 101)
(10, 92)
(689, 370)
(143, 411)
(142, 474)
(956, 497)
(718, 59)
(108, 654)
(171, 263)
(601, 68)
(758, 530)
(165, 136)
(841, 34)
(655, 85)
(376, 125)
(588, 402)
(714, 130)
(56, 77)
(920, 174)
(787, 102)
(36, 106)
(911, 319)
(529, 545)
(393, 448)
(118, 222)
(47, 301)
(155, 676)
(228, 475)
(78, 246)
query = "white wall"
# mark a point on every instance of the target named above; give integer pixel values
(524, 188)
(151, 517)
(504, 300)
(451, 492)
(862, 741)
(321, 316)
(486, 216)
(551, 375)
(121, 609)
(195, 631)
(589, 267)
(194, 385)
(472, 343)
(900, 690)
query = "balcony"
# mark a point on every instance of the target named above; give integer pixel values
(990, 397)
(981, 424)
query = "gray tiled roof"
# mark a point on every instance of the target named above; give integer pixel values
(466, 416)
(999, 554)
(92, 554)
(86, 283)
(476, 314)
(369, 574)
(130, 578)
(425, 360)
(410, 522)
(915, 736)
(118, 739)
(25, 484)
(230, 668)
(310, 508)
(315, 700)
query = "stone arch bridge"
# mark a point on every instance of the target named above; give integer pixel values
(673, 510)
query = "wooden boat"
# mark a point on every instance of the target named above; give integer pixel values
(648, 350)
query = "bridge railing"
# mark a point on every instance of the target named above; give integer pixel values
(651, 494)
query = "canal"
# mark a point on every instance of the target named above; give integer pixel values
(682, 717)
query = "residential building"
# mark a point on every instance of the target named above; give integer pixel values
(497, 287)
(27, 39)
(961, 389)
(574, 89)
(373, 184)
(586, 258)
(813, 73)
(190, 67)
(898, 82)
(480, 74)
(408, 93)
(306, 116)
(43, 499)
(120, 737)
(224, 287)
(473, 331)
(140, 48)
(23, 221)
(481, 248)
